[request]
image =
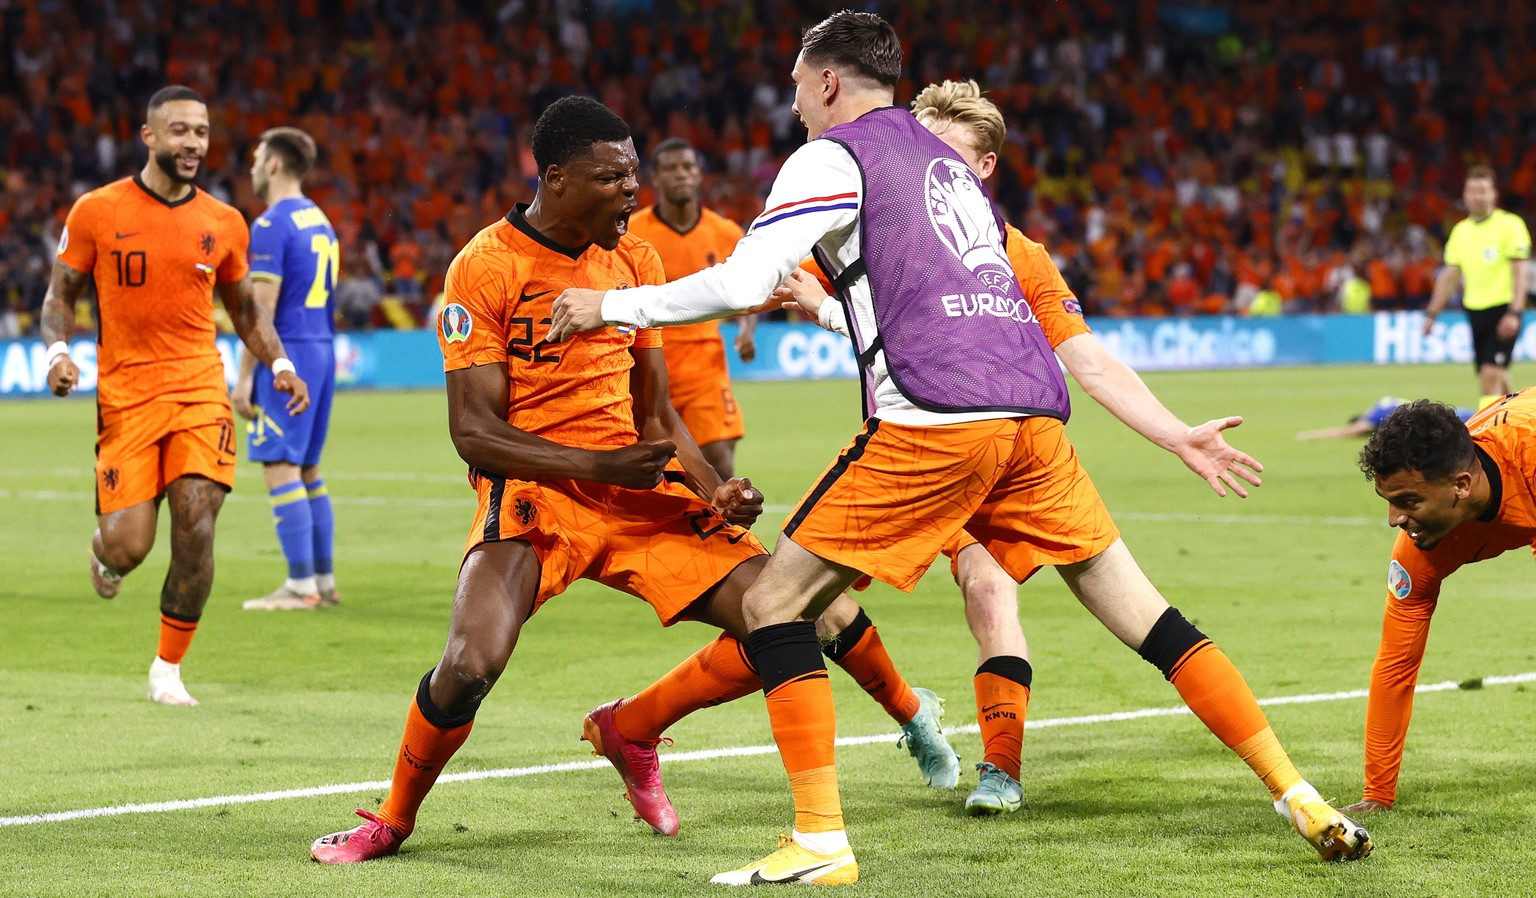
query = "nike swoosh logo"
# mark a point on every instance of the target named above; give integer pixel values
(527, 296)
(998, 705)
(794, 875)
(122, 236)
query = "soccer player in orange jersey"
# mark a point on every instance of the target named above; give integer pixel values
(1459, 493)
(964, 432)
(582, 469)
(689, 237)
(158, 249)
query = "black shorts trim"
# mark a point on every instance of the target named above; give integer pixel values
(849, 456)
(493, 508)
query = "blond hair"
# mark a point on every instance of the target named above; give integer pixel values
(961, 103)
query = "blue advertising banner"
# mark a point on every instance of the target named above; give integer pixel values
(410, 359)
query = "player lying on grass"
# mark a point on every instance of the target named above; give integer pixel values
(1459, 493)
(965, 409)
(582, 469)
(1365, 423)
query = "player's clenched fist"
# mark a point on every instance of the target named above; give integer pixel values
(63, 376)
(637, 467)
(296, 388)
(738, 502)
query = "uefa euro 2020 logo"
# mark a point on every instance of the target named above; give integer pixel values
(457, 324)
(962, 217)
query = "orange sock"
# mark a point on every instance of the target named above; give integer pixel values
(715, 674)
(804, 725)
(1002, 701)
(860, 651)
(424, 750)
(1212, 687)
(176, 634)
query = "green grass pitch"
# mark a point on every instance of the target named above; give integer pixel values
(1290, 582)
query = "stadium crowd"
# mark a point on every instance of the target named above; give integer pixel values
(1246, 157)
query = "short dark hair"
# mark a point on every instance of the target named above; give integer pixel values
(295, 148)
(568, 129)
(174, 92)
(860, 41)
(671, 145)
(1421, 436)
(1480, 173)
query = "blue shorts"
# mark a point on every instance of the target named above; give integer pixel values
(275, 436)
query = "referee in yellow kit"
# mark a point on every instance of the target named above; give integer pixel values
(1485, 253)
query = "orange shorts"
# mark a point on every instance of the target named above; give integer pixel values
(141, 449)
(665, 545)
(899, 495)
(701, 391)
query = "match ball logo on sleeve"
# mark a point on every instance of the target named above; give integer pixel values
(1398, 580)
(457, 323)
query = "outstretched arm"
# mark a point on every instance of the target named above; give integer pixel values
(1203, 449)
(1404, 633)
(58, 325)
(1356, 428)
(815, 194)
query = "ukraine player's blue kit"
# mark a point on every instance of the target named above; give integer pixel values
(1386, 404)
(294, 245)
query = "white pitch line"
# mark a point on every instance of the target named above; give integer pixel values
(708, 754)
(386, 501)
(433, 502)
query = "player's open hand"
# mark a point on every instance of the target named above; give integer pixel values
(64, 376)
(1206, 452)
(576, 311)
(297, 390)
(637, 467)
(801, 292)
(1367, 806)
(738, 501)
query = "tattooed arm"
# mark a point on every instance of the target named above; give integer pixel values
(58, 325)
(253, 322)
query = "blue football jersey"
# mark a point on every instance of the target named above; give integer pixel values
(293, 244)
(1387, 404)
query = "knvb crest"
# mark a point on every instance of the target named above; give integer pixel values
(206, 242)
(525, 511)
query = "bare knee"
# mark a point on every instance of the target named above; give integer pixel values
(463, 680)
(124, 550)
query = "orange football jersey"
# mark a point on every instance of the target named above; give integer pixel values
(1505, 436)
(682, 253)
(1053, 302)
(497, 304)
(155, 264)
